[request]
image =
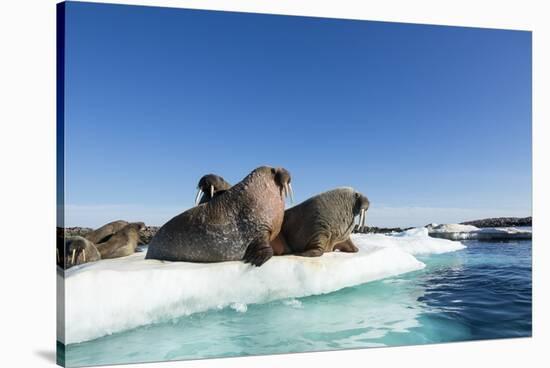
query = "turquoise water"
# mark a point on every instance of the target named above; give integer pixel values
(481, 292)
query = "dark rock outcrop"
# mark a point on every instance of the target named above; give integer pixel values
(77, 231)
(501, 222)
(378, 230)
(147, 234)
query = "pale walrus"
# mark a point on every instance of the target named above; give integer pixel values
(122, 243)
(103, 233)
(322, 223)
(237, 225)
(209, 186)
(79, 250)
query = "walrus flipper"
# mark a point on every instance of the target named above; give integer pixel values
(258, 252)
(346, 246)
(317, 245)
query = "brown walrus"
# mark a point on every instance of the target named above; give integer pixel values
(103, 233)
(209, 186)
(122, 243)
(216, 185)
(237, 225)
(322, 223)
(79, 250)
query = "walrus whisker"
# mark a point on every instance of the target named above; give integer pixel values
(291, 193)
(72, 258)
(211, 191)
(197, 197)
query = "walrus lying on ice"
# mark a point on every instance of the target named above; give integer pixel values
(116, 239)
(103, 233)
(237, 225)
(322, 224)
(122, 243)
(332, 212)
(79, 250)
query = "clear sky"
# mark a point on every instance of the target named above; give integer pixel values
(432, 123)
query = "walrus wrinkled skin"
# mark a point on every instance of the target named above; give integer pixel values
(79, 250)
(237, 225)
(122, 243)
(322, 223)
(209, 186)
(103, 233)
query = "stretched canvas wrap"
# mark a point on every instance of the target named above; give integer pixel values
(234, 184)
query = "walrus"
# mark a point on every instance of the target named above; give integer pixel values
(122, 243)
(322, 223)
(209, 186)
(103, 233)
(79, 250)
(237, 225)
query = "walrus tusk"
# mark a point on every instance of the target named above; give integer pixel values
(197, 197)
(211, 191)
(291, 193)
(84, 255)
(285, 190)
(72, 258)
(364, 218)
(58, 258)
(359, 224)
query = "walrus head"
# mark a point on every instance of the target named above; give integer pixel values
(208, 186)
(282, 179)
(360, 207)
(76, 250)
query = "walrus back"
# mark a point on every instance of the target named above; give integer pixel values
(191, 237)
(328, 212)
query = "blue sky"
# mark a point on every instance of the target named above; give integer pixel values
(432, 123)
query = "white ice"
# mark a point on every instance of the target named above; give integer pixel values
(114, 295)
(469, 232)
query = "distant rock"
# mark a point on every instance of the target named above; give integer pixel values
(501, 222)
(145, 235)
(378, 230)
(77, 231)
(470, 232)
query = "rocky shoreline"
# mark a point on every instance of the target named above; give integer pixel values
(378, 230)
(501, 222)
(147, 234)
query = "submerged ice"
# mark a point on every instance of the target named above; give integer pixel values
(120, 294)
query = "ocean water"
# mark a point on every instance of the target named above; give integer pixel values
(480, 292)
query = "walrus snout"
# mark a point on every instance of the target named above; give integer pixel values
(282, 179)
(76, 251)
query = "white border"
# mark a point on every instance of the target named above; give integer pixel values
(27, 149)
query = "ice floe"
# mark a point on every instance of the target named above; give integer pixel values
(115, 295)
(469, 232)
